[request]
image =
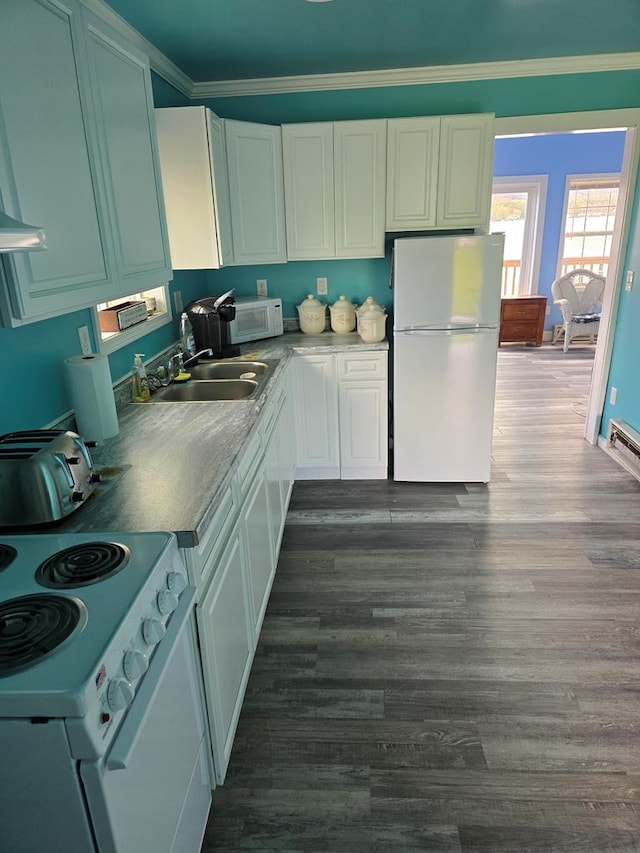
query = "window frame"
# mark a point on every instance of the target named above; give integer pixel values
(536, 188)
(584, 177)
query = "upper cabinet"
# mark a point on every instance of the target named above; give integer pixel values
(125, 122)
(439, 172)
(256, 196)
(77, 158)
(334, 178)
(193, 162)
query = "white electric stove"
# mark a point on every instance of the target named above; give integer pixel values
(102, 734)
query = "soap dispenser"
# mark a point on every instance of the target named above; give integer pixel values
(141, 392)
(187, 338)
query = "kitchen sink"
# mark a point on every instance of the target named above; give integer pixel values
(228, 369)
(206, 392)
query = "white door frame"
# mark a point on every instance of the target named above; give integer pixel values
(536, 187)
(597, 120)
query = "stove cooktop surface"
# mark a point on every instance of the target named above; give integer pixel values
(63, 600)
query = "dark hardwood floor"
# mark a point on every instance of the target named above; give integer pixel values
(453, 668)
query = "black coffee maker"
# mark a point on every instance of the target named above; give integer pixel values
(209, 318)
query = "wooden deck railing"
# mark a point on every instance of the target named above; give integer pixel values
(511, 271)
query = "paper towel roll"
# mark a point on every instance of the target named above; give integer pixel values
(92, 396)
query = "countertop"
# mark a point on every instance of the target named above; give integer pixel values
(168, 465)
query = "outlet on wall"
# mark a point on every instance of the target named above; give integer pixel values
(85, 342)
(322, 286)
(261, 286)
(177, 301)
(628, 282)
(613, 396)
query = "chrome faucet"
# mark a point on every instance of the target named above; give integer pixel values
(194, 358)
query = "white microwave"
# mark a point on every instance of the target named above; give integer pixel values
(256, 317)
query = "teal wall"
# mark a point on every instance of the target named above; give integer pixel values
(625, 363)
(32, 355)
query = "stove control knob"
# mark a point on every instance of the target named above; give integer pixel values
(120, 694)
(176, 582)
(153, 631)
(167, 602)
(135, 664)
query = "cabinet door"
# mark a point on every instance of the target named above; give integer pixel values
(360, 187)
(466, 169)
(363, 408)
(123, 99)
(412, 172)
(220, 184)
(315, 401)
(260, 555)
(307, 151)
(254, 159)
(287, 448)
(226, 642)
(272, 466)
(363, 430)
(46, 174)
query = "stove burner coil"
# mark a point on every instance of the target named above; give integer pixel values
(82, 565)
(7, 555)
(33, 627)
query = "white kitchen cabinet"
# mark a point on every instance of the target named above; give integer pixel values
(341, 415)
(335, 189)
(256, 194)
(226, 643)
(261, 564)
(315, 402)
(307, 151)
(412, 172)
(193, 162)
(363, 414)
(81, 164)
(439, 172)
(47, 167)
(123, 101)
(466, 171)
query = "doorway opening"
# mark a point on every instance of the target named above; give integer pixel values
(625, 123)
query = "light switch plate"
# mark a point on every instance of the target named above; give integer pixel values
(628, 282)
(85, 342)
(177, 299)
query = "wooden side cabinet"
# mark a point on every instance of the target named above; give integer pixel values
(522, 319)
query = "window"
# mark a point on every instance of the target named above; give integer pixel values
(156, 312)
(590, 212)
(517, 210)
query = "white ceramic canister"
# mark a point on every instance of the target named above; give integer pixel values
(371, 321)
(311, 315)
(343, 315)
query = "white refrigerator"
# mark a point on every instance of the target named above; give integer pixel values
(445, 329)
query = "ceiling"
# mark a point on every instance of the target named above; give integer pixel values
(214, 40)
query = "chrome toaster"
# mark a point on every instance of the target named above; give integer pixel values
(44, 476)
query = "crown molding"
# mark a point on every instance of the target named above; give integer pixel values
(418, 76)
(157, 60)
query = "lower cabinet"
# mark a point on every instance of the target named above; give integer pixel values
(341, 416)
(234, 566)
(226, 645)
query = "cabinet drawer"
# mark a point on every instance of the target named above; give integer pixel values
(521, 311)
(521, 331)
(357, 366)
(217, 532)
(249, 462)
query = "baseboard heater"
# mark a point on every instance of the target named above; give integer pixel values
(623, 443)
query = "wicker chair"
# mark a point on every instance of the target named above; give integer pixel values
(579, 295)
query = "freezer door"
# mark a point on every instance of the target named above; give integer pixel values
(443, 281)
(444, 390)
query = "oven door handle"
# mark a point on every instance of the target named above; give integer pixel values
(133, 724)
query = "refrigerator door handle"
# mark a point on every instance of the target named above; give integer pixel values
(445, 330)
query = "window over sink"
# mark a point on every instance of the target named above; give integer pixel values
(121, 321)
